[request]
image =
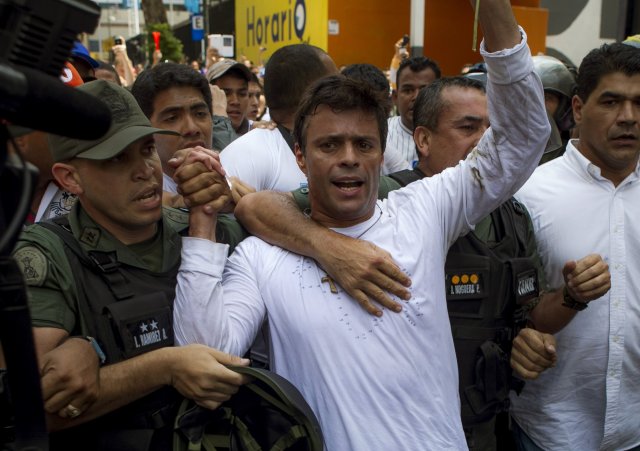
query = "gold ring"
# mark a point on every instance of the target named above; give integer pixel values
(73, 411)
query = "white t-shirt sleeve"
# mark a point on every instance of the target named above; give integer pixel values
(248, 159)
(205, 312)
(504, 158)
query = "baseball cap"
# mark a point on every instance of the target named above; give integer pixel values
(633, 41)
(222, 67)
(80, 51)
(70, 75)
(128, 124)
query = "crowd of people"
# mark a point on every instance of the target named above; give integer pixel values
(457, 275)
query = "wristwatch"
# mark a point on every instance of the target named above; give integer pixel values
(571, 303)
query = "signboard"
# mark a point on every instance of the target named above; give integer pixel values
(197, 27)
(277, 23)
(334, 27)
(223, 43)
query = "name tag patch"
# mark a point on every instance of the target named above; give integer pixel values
(143, 323)
(465, 285)
(527, 286)
(147, 333)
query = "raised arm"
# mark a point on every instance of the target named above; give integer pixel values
(366, 272)
(511, 147)
(499, 26)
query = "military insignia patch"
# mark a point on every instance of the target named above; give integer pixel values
(33, 264)
(90, 236)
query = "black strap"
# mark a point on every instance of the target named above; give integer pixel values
(106, 262)
(520, 221)
(489, 373)
(407, 176)
(288, 136)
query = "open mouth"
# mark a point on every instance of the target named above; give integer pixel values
(147, 195)
(350, 185)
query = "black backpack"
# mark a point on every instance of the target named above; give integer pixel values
(268, 413)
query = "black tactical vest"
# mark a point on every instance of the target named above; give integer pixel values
(486, 285)
(129, 311)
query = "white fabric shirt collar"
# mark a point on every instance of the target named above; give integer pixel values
(590, 400)
(578, 160)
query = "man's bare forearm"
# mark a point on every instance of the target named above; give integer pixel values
(586, 280)
(550, 316)
(275, 218)
(121, 384)
(499, 26)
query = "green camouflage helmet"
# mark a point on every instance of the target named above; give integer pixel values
(556, 78)
(268, 413)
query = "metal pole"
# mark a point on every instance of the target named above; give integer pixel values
(136, 18)
(205, 13)
(417, 27)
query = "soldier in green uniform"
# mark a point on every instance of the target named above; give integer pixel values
(107, 272)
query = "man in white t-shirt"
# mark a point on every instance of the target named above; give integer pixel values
(413, 74)
(263, 158)
(373, 382)
(175, 97)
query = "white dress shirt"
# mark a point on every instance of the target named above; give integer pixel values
(591, 399)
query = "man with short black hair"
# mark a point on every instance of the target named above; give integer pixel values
(264, 159)
(587, 201)
(340, 134)
(175, 97)
(255, 92)
(505, 280)
(413, 74)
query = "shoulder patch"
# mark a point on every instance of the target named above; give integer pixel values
(33, 264)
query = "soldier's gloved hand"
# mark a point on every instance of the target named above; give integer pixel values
(532, 353)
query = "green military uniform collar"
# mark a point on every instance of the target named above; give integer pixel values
(92, 237)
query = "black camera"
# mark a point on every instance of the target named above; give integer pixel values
(118, 40)
(405, 40)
